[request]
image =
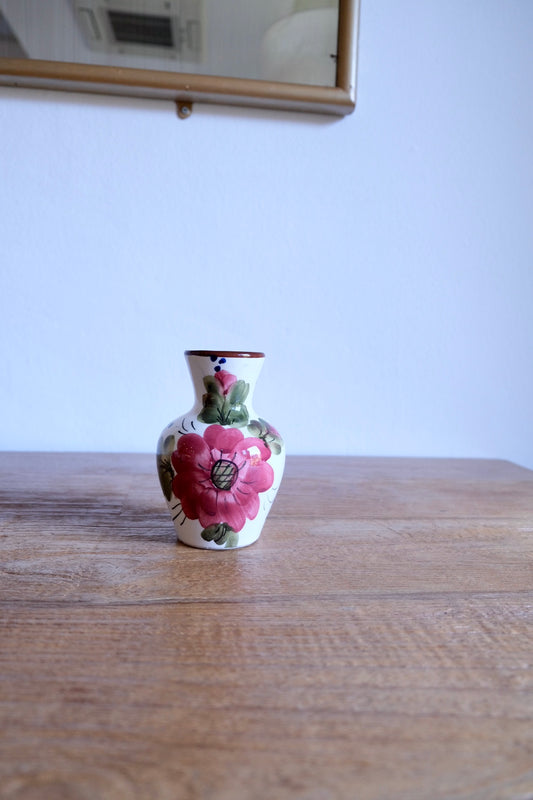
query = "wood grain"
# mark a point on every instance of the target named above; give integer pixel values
(374, 643)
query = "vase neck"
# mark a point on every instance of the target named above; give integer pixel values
(224, 386)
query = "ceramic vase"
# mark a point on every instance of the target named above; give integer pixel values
(220, 464)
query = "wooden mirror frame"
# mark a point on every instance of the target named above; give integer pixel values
(186, 89)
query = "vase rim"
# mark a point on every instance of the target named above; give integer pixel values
(224, 353)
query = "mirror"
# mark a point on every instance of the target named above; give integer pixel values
(286, 54)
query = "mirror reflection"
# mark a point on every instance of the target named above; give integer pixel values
(292, 41)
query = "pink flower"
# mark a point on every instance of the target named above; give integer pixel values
(219, 476)
(226, 380)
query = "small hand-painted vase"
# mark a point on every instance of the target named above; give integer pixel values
(220, 465)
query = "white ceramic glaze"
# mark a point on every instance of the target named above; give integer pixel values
(220, 464)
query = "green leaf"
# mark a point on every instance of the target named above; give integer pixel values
(232, 540)
(238, 392)
(209, 414)
(212, 386)
(254, 428)
(212, 410)
(219, 533)
(235, 415)
(166, 474)
(261, 429)
(169, 444)
(213, 532)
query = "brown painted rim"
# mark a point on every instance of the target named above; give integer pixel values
(224, 353)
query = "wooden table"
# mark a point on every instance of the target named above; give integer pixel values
(373, 644)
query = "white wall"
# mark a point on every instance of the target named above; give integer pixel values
(383, 261)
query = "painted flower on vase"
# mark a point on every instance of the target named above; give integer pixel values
(223, 401)
(226, 380)
(219, 477)
(267, 433)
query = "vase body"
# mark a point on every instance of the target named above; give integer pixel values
(220, 464)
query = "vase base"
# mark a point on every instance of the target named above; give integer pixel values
(214, 546)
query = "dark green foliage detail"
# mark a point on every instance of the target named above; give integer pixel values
(262, 430)
(222, 534)
(224, 410)
(164, 466)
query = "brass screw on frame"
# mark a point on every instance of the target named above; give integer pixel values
(184, 110)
